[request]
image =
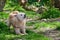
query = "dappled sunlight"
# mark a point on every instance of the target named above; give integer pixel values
(43, 19)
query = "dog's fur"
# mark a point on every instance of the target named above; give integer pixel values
(18, 22)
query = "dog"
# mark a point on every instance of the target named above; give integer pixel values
(18, 21)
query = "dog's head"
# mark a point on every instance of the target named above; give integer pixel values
(21, 16)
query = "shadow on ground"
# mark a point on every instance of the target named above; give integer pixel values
(6, 34)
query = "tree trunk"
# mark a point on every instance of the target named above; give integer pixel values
(56, 3)
(2, 4)
(38, 0)
(52, 3)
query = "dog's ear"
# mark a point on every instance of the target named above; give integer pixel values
(15, 12)
(11, 16)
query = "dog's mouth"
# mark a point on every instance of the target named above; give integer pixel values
(20, 17)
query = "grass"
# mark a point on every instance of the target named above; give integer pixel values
(31, 36)
(39, 26)
(5, 34)
(31, 14)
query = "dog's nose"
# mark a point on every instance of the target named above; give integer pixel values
(25, 16)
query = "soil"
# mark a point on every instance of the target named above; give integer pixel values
(54, 34)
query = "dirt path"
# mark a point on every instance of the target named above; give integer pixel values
(54, 34)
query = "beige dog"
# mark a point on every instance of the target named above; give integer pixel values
(18, 21)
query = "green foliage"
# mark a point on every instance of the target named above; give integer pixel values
(31, 36)
(38, 24)
(3, 28)
(43, 24)
(5, 34)
(19, 8)
(12, 5)
(51, 13)
(3, 15)
(56, 24)
(42, 2)
(35, 3)
(31, 1)
(31, 14)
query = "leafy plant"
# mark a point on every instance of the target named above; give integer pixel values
(51, 13)
(3, 15)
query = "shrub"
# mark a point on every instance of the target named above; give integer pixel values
(51, 13)
(3, 27)
(3, 15)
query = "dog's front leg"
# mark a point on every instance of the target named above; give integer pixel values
(17, 30)
(23, 30)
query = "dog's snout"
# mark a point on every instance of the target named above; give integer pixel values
(24, 16)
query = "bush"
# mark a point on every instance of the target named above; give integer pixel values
(3, 15)
(51, 13)
(12, 5)
(3, 27)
